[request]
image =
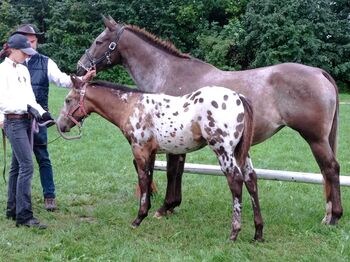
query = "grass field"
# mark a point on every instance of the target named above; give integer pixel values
(95, 184)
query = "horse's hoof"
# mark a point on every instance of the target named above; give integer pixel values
(327, 219)
(161, 212)
(330, 220)
(259, 235)
(158, 215)
(258, 239)
(334, 221)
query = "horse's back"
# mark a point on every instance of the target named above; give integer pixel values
(288, 94)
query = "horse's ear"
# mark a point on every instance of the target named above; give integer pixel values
(108, 23)
(112, 20)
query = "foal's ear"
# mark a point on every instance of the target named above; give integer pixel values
(76, 81)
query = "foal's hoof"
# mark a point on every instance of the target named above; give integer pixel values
(136, 223)
(234, 236)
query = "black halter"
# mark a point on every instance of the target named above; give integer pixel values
(95, 61)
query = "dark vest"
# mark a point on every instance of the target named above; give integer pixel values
(37, 67)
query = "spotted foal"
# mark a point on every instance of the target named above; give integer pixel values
(158, 123)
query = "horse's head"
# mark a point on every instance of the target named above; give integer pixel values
(103, 52)
(73, 111)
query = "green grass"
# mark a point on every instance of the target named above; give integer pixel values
(95, 184)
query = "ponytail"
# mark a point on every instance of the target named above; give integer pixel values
(5, 51)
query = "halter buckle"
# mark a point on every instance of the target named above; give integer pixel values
(112, 46)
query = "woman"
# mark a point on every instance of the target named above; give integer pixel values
(17, 103)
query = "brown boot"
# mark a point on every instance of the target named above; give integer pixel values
(50, 204)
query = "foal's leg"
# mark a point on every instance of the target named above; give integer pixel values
(145, 180)
(330, 171)
(250, 181)
(235, 181)
(173, 197)
(153, 185)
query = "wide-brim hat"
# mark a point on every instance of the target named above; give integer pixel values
(20, 42)
(27, 29)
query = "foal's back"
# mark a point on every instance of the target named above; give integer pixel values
(187, 123)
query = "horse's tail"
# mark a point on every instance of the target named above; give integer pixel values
(333, 135)
(242, 148)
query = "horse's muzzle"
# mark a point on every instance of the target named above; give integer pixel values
(80, 71)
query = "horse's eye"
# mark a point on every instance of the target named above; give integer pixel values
(67, 101)
(98, 42)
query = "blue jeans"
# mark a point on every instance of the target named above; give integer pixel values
(19, 202)
(44, 162)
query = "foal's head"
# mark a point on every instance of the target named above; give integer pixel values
(73, 111)
(103, 52)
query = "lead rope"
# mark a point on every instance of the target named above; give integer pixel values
(4, 146)
(35, 129)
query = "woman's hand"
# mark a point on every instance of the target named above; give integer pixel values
(89, 75)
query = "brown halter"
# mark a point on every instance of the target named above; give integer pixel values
(80, 107)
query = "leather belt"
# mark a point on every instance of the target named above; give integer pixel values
(18, 116)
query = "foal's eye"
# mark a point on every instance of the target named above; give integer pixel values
(67, 101)
(98, 42)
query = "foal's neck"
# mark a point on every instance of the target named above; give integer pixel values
(112, 104)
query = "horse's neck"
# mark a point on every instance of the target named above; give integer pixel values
(152, 67)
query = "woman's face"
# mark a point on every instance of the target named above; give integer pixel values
(18, 56)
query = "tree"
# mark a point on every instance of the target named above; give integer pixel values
(8, 16)
(309, 32)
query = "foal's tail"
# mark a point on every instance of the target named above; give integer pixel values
(333, 135)
(242, 148)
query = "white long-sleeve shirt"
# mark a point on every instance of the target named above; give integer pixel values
(15, 89)
(56, 76)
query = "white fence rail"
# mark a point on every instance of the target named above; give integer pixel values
(261, 173)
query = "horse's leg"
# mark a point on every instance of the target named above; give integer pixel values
(145, 180)
(173, 197)
(330, 171)
(235, 181)
(250, 181)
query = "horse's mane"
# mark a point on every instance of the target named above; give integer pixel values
(151, 38)
(115, 86)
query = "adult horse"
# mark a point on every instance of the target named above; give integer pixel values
(158, 123)
(301, 97)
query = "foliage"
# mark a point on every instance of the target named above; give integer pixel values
(8, 15)
(229, 34)
(309, 32)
